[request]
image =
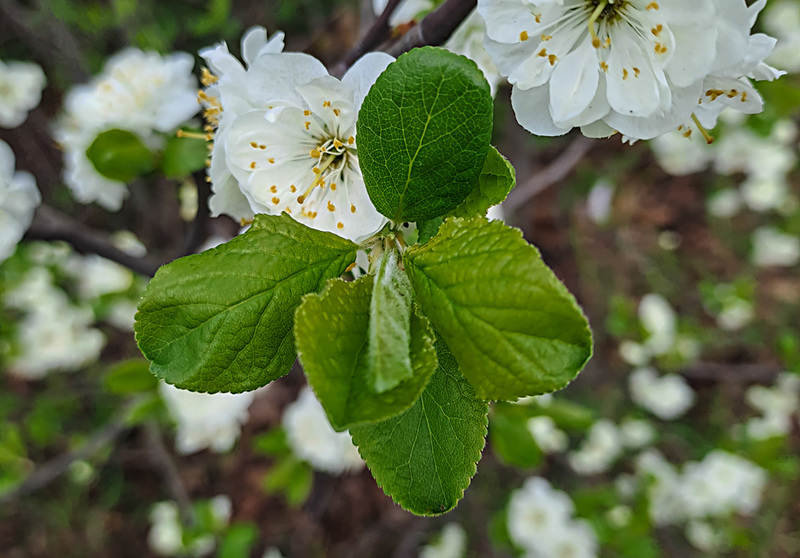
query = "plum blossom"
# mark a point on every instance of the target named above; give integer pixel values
(313, 439)
(141, 92)
(638, 67)
(668, 397)
(18, 199)
(21, 85)
(287, 135)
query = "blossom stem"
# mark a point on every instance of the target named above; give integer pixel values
(708, 137)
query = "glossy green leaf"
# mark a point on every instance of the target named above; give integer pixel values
(510, 438)
(331, 330)
(183, 156)
(423, 134)
(120, 155)
(222, 320)
(496, 180)
(514, 329)
(425, 458)
(130, 376)
(389, 334)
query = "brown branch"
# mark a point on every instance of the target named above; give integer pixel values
(437, 26)
(739, 373)
(49, 224)
(56, 467)
(162, 460)
(198, 231)
(377, 34)
(555, 172)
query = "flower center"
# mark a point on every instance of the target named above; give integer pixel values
(332, 156)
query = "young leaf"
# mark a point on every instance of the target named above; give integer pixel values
(222, 320)
(389, 339)
(510, 438)
(423, 133)
(496, 180)
(331, 330)
(425, 458)
(514, 329)
(183, 156)
(120, 155)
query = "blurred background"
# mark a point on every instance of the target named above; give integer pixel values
(679, 439)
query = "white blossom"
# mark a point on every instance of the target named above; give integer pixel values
(165, 537)
(773, 248)
(703, 536)
(19, 196)
(451, 543)
(206, 420)
(663, 483)
(313, 439)
(598, 203)
(601, 448)
(287, 135)
(782, 19)
(679, 155)
(636, 434)
(668, 396)
(541, 522)
(637, 67)
(736, 314)
(619, 516)
(778, 405)
(725, 203)
(21, 85)
(53, 334)
(659, 320)
(97, 276)
(547, 435)
(467, 40)
(141, 92)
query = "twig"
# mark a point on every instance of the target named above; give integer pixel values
(198, 231)
(49, 224)
(437, 26)
(53, 469)
(162, 459)
(377, 33)
(740, 373)
(555, 172)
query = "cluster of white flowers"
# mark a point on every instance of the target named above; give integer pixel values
(733, 311)
(19, 196)
(637, 67)
(53, 334)
(206, 420)
(166, 530)
(21, 85)
(547, 435)
(782, 20)
(313, 439)
(541, 522)
(777, 404)
(772, 247)
(599, 451)
(765, 162)
(668, 397)
(141, 92)
(451, 543)
(285, 136)
(720, 485)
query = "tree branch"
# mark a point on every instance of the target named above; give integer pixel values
(162, 460)
(555, 172)
(437, 26)
(739, 373)
(377, 33)
(198, 230)
(49, 224)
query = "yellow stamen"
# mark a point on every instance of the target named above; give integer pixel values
(708, 137)
(596, 42)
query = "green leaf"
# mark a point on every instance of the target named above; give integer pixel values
(423, 133)
(222, 320)
(425, 458)
(331, 332)
(514, 329)
(238, 541)
(428, 229)
(496, 180)
(120, 155)
(291, 476)
(510, 438)
(389, 339)
(130, 376)
(183, 156)
(272, 443)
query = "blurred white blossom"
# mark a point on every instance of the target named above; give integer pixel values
(313, 439)
(601, 448)
(547, 435)
(21, 85)
(451, 543)
(541, 522)
(206, 420)
(19, 197)
(668, 397)
(782, 19)
(467, 40)
(636, 433)
(773, 248)
(778, 405)
(141, 92)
